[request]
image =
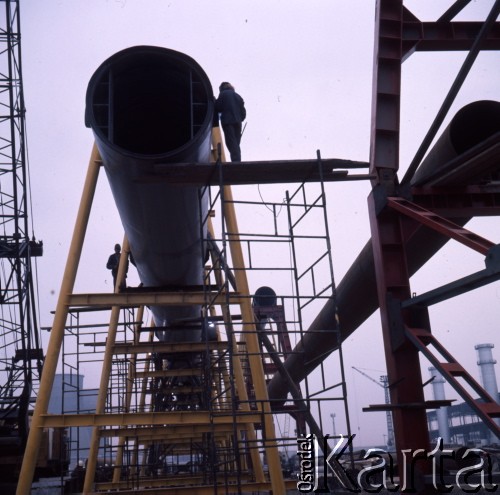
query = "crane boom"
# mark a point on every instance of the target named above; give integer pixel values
(384, 383)
(368, 376)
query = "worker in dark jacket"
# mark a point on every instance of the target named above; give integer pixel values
(113, 263)
(232, 111)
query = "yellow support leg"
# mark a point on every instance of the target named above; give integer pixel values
(240, 384)
(105, 374)
(57, 331)
(249, 330)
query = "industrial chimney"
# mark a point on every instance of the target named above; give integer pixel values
(486, 365)
(441, 413)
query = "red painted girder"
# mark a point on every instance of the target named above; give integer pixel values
(403, 366)
(446, 36)
(440, 224)
(386, 92)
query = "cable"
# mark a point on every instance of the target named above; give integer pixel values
(264, 202)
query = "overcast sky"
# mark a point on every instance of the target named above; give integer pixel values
(304, 69)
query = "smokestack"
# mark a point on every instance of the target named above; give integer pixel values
(442, 412)
(486, 365)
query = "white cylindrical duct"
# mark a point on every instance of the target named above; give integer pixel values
(486, 365)
(441, 413)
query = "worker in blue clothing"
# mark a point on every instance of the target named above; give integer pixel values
(231, 107)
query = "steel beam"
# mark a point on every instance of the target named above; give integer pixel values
(175, 418)
(450, 36)
(169, 373)
(135, 299)
(173, 431)
(183, 479)
(441, 225)
(226, 488)
(392, 276)
(262, 172)
(165, 347)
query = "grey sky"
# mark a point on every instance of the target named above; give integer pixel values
(304, 68)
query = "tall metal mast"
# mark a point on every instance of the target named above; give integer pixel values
(21, 355)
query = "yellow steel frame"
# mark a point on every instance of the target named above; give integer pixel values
(57, 331)
(146, 426)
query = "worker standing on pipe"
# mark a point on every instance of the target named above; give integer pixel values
(114, 261)
(231, 107)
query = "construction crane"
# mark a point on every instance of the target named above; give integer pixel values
(21, 355)
(384, 383)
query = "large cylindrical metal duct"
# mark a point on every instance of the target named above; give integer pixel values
(147, 106)
(356, 295)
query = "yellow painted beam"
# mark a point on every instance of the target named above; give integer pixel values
(167, 480)
(172, 431)
(188, 418)
(136, 299)
(57, 331)
(169, 373)
(166, 347)
(226, 488)
(173, 438)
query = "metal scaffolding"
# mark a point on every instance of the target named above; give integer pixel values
(207, 426)
(156, 416)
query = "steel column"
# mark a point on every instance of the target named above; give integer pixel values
(393, 287)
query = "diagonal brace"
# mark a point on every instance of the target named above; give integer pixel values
(440, 224)
(465, 284)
